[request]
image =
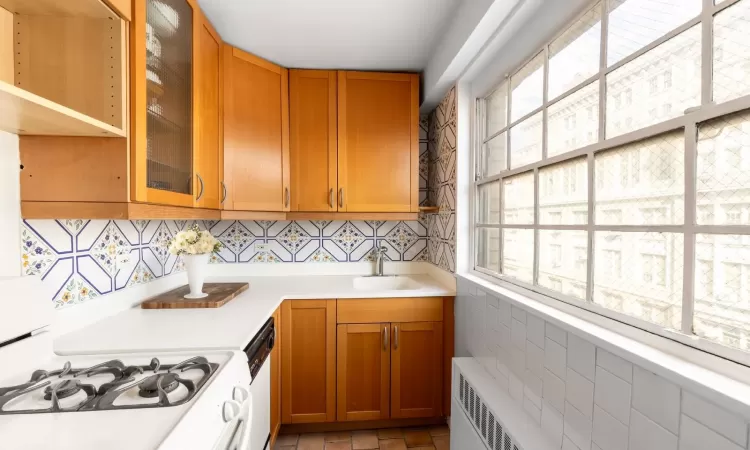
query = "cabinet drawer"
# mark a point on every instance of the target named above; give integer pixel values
(377, 310)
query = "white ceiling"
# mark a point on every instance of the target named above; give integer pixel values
(335, 34)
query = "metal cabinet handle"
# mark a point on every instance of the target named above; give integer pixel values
(385, 338)
(200, 194)
(330, 198)
(286, 197)
(224, 192)
(341, 197)
(395, 337)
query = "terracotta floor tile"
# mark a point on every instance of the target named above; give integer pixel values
(310, 442)
(287, 439)
(440, 431)
(364, 440)
(392, 444)
(338, 436)
(417, 438)
(390, 433)
(427, 447)
(442, 442)
(341, 445)
(286, 447)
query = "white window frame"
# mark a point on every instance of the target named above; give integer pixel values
(688, 122)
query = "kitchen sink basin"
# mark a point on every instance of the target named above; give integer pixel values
(385, 283)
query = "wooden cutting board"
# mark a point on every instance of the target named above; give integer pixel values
(218, 295)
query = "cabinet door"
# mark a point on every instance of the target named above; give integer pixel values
(363, 367)
(256, 133)
(207, 132)
(308, 367)
(378, 154)
(416, 370)
(312, 111)
(276, 379)
(162, 67)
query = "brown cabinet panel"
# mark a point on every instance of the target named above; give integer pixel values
(208, 115)
(308, 369)
(313, 140)
(373, 310)
(416, 370)
(378, 142)
(363, 366)
(256, 133)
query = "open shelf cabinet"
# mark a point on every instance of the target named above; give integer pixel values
(62, 68)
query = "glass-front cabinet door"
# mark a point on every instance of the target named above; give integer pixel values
(162, 97)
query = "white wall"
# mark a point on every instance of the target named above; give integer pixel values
(10, 206)
(588, 393)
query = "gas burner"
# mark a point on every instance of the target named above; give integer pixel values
(149, 388)
(64, 389)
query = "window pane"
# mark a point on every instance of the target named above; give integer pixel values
(574, 56)
(723, 170)
(642, 183)
(489, 203)
(527, 86)
(574, 121)
(526, 141)
(518, 199)
(495, 154)
(563, 193)
(662, 83)
(732, 52)
(518, 254)
(722, 289)
(562, 261)
(488, 249)
(633, 24)
(496, 110)
(640, 275)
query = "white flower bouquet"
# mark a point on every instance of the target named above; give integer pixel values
(193, 241)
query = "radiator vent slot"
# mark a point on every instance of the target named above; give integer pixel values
(493, 432)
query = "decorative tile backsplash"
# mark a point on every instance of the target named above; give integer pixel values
(441, 168)
(85, 259)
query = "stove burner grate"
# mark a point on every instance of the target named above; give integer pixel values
(64, 389)
(149, 388)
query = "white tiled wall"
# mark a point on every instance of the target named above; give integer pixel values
(582, 396)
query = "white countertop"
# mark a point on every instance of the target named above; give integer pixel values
(231, 326)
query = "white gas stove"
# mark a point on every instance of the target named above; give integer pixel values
(182, 400)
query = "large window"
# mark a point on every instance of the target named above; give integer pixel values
(613, 170)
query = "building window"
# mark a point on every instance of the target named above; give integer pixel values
(631, 173)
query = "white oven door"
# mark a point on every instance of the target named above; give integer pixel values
(260, 392)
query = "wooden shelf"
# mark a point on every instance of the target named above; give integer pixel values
(76, 8)
(103, 210)
(22, 112)
(429, 209)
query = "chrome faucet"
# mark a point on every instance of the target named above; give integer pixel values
(379, 256)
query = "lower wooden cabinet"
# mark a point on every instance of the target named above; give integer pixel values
(363, 365)
(308, 361)
(391, 369)
(416, 370)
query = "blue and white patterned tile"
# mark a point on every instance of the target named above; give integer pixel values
(265, 257)
(129, 231)
(154, 263)
(333, 227)
(320, 255)
(36, 255)
(320, 224)
(54, 235)
(309, 227)
(75, 291)
(265, 224)
(304, 253)
(236, 238)
(275, 228)
(255, 227)
(391, 254)
(293, 238)
(335, 250)
(160, 241)
(348, 238)
(401, 237)
(142, 274)
(363, 252)
(280, 250)
(126, 265)
(89, 233)
(96, 274)
(74, 226)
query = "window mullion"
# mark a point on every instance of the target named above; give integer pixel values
(501, 221)
(590, 230)
(688, 276)
(707, 52)
(507, 133)
(603, 72)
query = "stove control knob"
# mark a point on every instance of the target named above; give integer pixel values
(230, 411)
(240, 394)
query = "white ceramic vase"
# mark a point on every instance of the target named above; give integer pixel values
(196, 265)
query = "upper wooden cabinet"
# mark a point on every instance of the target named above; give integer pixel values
(378, 142)
(256, 133)
(208, 111)
(313, 140)
(308, 361)
(62, 68)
